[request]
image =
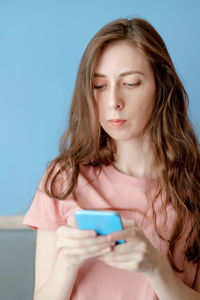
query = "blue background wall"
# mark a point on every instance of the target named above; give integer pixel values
(41, 46)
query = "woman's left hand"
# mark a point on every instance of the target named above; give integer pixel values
(137, 254)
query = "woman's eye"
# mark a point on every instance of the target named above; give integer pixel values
(132, 84)
(98, 86)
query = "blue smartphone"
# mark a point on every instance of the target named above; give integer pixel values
(103, 222)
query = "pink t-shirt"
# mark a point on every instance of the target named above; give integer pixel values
(95, 279)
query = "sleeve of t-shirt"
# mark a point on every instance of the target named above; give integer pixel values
(46, 212)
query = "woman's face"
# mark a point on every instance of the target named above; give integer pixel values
(124, 90)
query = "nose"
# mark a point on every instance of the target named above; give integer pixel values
(115, 100)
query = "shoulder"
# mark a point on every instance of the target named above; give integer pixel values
(55, 178)
(196, 285)
(89, 173)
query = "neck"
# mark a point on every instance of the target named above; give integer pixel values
(135, 158)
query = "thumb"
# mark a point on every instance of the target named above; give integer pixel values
(128, 223)
(71, 221)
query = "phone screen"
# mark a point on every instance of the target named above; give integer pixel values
(103, 222)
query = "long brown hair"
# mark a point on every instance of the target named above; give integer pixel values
(176, 149)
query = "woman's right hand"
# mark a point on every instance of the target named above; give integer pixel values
(78, 245)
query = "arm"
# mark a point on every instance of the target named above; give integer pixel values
(168, 286)
(139, 255)
(56, 270)
(53, 280)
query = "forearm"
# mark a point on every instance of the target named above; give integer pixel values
(60, 284)
(168, 286)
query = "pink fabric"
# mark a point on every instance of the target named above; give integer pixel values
(95, 279)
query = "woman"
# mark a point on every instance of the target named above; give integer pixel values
(130, 147)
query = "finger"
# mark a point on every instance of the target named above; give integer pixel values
(84, 251)
(72, 222)
(119, 265)
(71, 232)
(122, 258)
(128, 233)
(74, 259)
(78, 243)
(130, 247)
(124, 250)
(98, 253)
(128, 223)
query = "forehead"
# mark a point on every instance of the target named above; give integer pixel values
(121, 56)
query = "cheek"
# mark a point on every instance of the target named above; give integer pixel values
(148, 102)
(100, 108)
(142, 110)
(102, 111)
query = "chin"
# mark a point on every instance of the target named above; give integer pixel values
(124, 138)
(122, 135)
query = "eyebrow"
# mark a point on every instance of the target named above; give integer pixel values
(120, 75)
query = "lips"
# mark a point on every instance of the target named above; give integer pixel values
(117, 122)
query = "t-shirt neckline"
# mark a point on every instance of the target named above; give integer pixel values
(132, 179)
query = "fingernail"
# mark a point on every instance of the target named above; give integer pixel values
(111, 248)
(93, 233)
(109, 238)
